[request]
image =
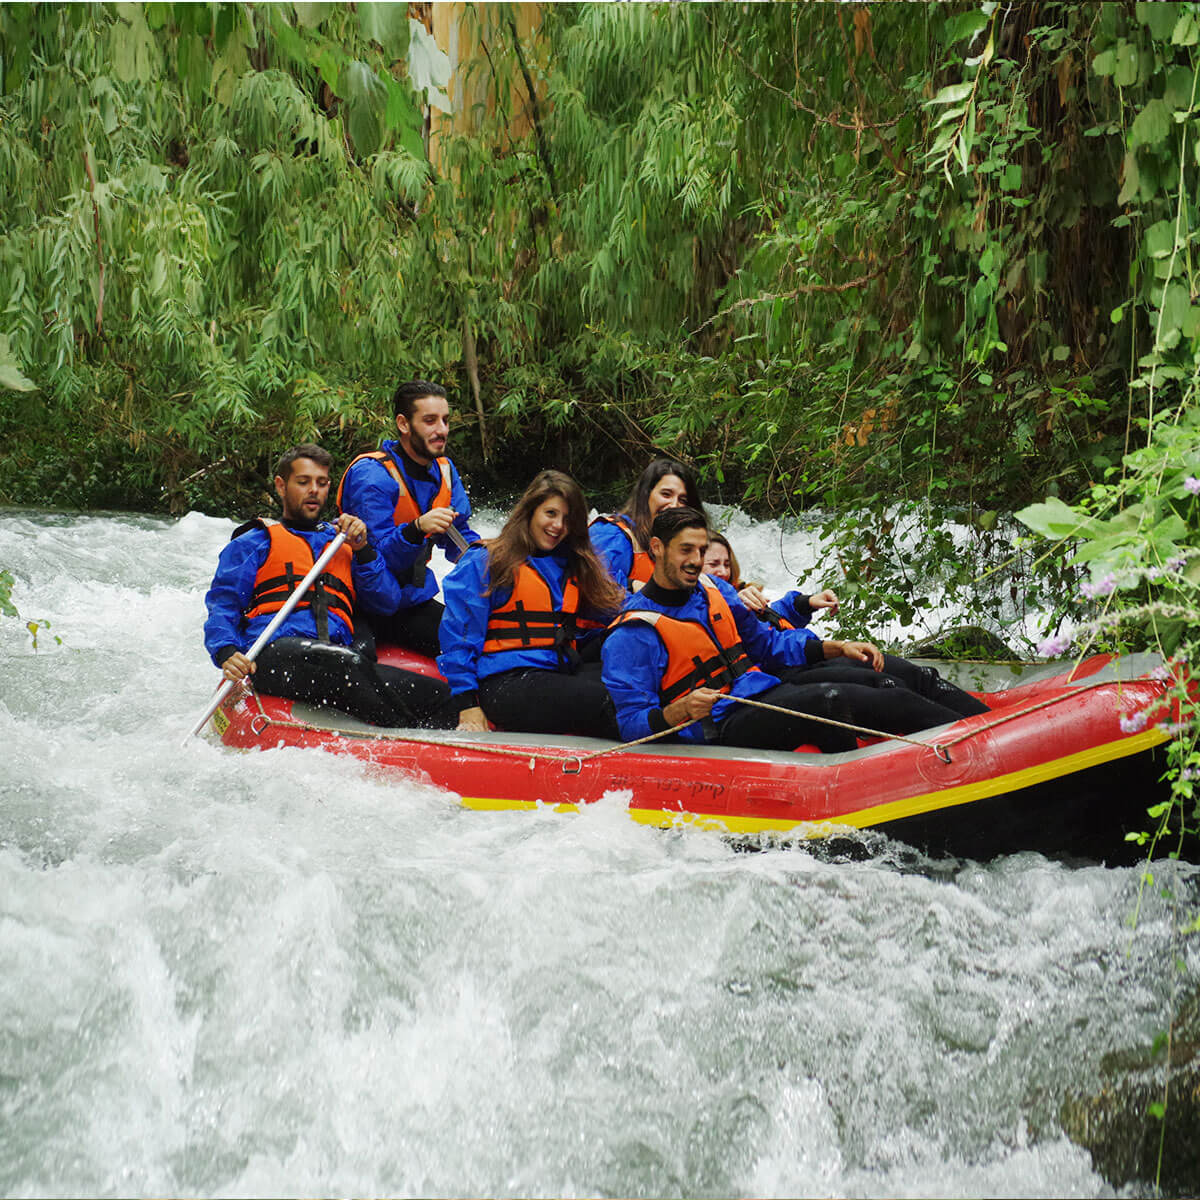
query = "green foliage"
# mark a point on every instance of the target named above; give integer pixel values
(200, 206)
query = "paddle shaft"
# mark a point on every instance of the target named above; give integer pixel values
(266, 635)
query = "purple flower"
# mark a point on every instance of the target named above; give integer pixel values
(1162, 673)
(1052, 647)
(1176, 564)
(1192, 484)
(1174, 728)
(1134, 722)
(1191, 773)
(1102, 587)
(1154, 572)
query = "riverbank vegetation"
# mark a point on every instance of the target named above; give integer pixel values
(880, 258)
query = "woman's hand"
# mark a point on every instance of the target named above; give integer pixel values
(751, 596)
(826, 599)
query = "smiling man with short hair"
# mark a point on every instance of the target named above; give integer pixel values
(685, 644)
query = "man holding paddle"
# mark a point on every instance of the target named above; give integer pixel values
(311, 655)
(411, 498)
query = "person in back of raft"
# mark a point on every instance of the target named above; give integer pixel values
(311, 656)
(685, 644)
(621, 538)
(409, 494)
(516, 608)
(795, 610)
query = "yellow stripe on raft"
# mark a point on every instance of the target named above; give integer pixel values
(879, 814)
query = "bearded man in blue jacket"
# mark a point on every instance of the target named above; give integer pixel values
(409, 495)
(685, 644)
(313, 655)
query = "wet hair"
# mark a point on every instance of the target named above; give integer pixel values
(673, 521)
(735, 572)
(405, 397)
(319, 455)
(514, 544)
(637, 507)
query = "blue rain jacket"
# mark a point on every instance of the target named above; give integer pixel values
(635, 660)
(370, 494)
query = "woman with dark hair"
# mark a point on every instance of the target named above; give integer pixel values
(621, 538)
(516, 607)
(793, 611)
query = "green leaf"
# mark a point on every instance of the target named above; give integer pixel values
(1117, 314)
(1159, 239)
(1175, 304)
(967, 24)
(330, 67)
(386, 24)
(1052, 519)
(400, 111)
(365, 98)
(1125, 73)
(311, 15)
(1186, 32)
(1151, 125)
(1010, 180)
(428, 67)
(1177, 94)
(1131, 177)
(953, 93)
(1105, 63)
(1159, 17)
(11, 378)
(135, 55)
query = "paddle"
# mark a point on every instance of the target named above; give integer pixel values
(264, 637)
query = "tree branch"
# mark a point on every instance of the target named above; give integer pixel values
(534, 108)
(804, 289)
(87, 165)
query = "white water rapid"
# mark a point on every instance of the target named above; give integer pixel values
(278, 973)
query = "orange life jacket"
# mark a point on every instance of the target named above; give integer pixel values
(643, 565)
(774, 619)
(288, 560)
(699, 654)
(407, 508)
(528, 620)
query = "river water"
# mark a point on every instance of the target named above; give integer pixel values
(279, 973)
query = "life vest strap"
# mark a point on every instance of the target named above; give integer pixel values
(719, 670)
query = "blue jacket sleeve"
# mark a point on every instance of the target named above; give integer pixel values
(634, 660)
(464, 625)
(370, 494)
(461, 503)
(375, 587)
(614, 549)
(793, 607)
(767, 646)
(230, 591)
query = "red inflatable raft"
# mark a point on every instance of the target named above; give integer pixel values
(1048, 769)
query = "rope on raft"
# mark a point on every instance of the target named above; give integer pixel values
(941, 748)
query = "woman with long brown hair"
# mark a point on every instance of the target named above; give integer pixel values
(622, 538)
(517, 608)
